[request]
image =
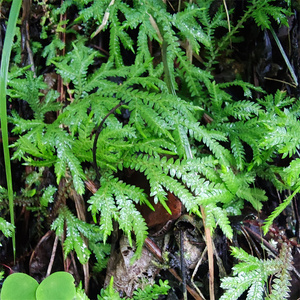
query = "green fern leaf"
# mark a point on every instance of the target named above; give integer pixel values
(253, 195)
(217, 216)
(102, 201)
(252, 274)
(114, 200)
(292, 172)
(152, 292)
(6, 228)
(74, 66)
(279, 210)
(74, 240)
(29, 89)
(282, 282)
(66, 158)
(265, 11)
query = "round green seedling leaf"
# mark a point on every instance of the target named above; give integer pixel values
(19, 286)
(58, 286)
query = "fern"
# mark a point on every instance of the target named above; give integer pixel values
(76, 230)
(149, 292)
(6, 228)
(109, 292)
(265, 10)
(280, 286)
(74, 66)
(167, 94)
(115, 201)
(218, 215)
(152, 292)
(279, 210)
(252, 274)
(29, 90)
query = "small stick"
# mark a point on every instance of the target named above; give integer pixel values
(183, 267)
(210, 254)
(196, 270)
(228, 19)
(104, 21)
(52, 256)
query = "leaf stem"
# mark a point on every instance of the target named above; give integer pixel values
(98, 131)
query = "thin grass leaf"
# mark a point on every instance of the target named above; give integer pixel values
(8, 41)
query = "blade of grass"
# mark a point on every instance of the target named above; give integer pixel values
(8, 41)
(284, 56)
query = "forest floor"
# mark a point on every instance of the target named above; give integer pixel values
(260, 62)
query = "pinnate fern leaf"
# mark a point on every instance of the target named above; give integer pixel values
(6, 228)
(252, 275)
(282, 282)
(75, 230)
(73, 67)
(114, 201)
(29, 89)
(262, 15)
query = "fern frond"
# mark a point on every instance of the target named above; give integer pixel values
(48, 195)
(160, 182)
(152, 291)
(217, 216)
(73, 67)
(257, 289)
(50, 51)
(253, 195)
(237, 285)
(214, 194)
(29, 89)
(265, 11)
(242, 110)
(130, 218)
(22, 125)
(146, 113)
(181, 140)
(278, 210)
(211, 140)
(190, 29)
(95, 10)
(282, 282)
(114, 200)
(292, 172)
(253, 274)
(73, 117)
(291, 142)
(101, 252)
(149, 292)
(112, 142)
(154, 146)
(114, 40)
(6, 228)
(67, 158)
(238, 151)
(246, 86)
(192, 76)
(143, 53)
(103, 202)
(231, 181)
(102, 79)
(75, 228)
(25, 145)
